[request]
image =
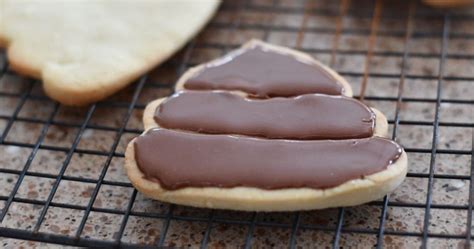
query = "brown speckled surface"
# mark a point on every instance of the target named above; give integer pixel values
(189, 227)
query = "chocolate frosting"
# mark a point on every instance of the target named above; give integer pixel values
(265, 73)
(181, 159)
(312, 116)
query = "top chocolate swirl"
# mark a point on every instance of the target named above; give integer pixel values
(265, 73)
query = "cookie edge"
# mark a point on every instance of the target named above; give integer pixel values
(70, 95)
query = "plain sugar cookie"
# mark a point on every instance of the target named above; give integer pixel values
(85, 51)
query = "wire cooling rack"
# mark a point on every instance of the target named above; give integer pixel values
(61, 175)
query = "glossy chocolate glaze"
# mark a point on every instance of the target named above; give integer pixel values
(181, 159)
(265, 73)
(311, 116)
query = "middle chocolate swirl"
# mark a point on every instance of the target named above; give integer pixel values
(312, 116)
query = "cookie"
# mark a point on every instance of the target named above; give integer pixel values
(263, 148)
(85, 51)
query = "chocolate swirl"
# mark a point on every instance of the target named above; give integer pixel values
(182, 159)
(311, 116)
(264, 73)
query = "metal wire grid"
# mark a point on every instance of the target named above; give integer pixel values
(306, 10)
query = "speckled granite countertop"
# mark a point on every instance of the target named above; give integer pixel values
(189, 227)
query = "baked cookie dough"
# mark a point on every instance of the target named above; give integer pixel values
(264, 148)
(85, 51)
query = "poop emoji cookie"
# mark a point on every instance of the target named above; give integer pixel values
(85, 51)
(264, 128)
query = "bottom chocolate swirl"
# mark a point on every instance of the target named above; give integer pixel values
(181, 159)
